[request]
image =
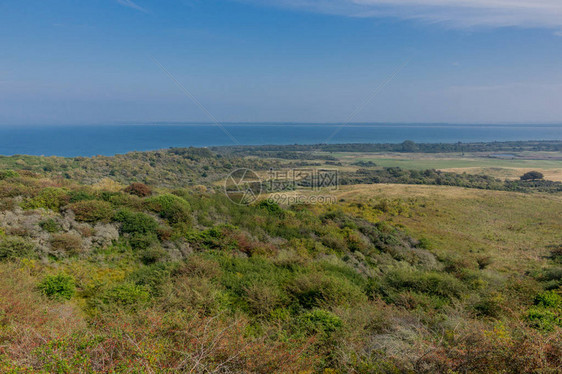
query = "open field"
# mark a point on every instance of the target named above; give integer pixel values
(512, 228)
(548, 163)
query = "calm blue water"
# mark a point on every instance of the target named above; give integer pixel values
(113, 139)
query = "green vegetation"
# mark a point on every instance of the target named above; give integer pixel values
(532, 176)
(418, 277)
(435, 177)
(408, 146)
(58, 286)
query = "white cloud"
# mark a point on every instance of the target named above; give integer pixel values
(131, 4)
(456, 13)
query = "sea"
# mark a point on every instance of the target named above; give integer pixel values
(108, 140)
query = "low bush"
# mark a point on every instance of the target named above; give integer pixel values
(152, 254)
(320, 290)
(92, 211)
(136, 222)
(432, 283)
(80, 195)
(152, 277)
(128, 295)
(5, 174)
(139, 189)
(261, 298)
(172, 208)
(50, 225)
(547, 312)
(549, 299)
(142, 242)
(320, 321)
(59, 286)
(271, 207)
(49, 198)
(67, 243)
(15, 247)
(543, 318)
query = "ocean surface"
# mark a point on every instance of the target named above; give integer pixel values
(108, 140)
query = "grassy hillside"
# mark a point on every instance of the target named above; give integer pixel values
(392, 278)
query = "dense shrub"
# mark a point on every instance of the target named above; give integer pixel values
(543, 318)
(60, 286)
(80, 195)
(549, 299)
(127, 295)
(318, 290)
(556, 254)
(92, 211)
(49, 198)
(152, 277)
(262, 298)
(5, 174)
(271, 206)
(320, 321)
(136, 222)
(152, 254)
(142, 242)
(121, 200)
(139, 189)
(66, 242)
(14, 247)
(172, 208)
(432, 283)
(50, 225)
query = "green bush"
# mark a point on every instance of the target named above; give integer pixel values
(49, 198)
(152, 277)
(80, 195)
(121, 200)
(136, 222)
(433, 283)
(271, 206)
(50, 225)
(66, 242)
(543, 318)
(15, 247)
(318, 290)
(549, 299)
(320, 321)
(92, 211)
(5, 174)
(152, 255)
(60, 286)
(172, 208)
(126, 295)
(142, 242)
(262, 299)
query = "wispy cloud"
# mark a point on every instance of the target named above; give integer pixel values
(131, 4)
(455, 13)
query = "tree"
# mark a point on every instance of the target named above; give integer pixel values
(409, 146)
(531, 176)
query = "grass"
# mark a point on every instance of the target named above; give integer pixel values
(549, 163)
(513, 228)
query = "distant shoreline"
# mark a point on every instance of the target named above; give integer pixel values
(108, 140)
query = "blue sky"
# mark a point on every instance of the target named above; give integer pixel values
(464, 61)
